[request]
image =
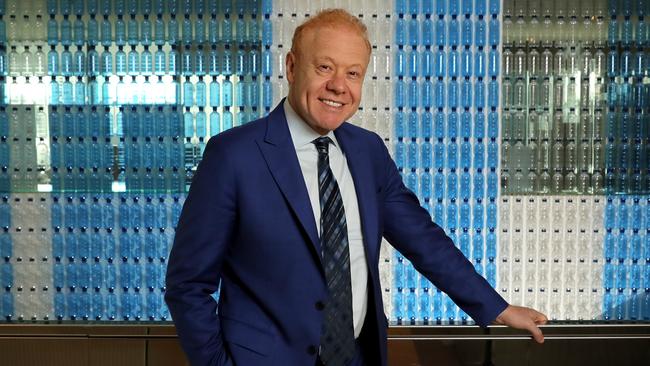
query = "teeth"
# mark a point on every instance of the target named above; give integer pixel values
(331, 103)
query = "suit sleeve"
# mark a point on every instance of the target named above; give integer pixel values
(203, 235)
(409, 228)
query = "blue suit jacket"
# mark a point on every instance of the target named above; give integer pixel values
(248, 224)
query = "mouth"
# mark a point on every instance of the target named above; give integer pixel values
(331, 103)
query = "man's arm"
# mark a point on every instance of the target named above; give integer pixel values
(409, 228)
(202, 238)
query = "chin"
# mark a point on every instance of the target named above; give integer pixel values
(332, 125)
(327, 122)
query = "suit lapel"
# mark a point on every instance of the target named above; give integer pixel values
(360, 168)
(280, 155)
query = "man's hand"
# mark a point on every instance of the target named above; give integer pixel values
(523, 318)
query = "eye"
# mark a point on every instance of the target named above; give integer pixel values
(324, 67)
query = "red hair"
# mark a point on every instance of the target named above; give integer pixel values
(332, 18)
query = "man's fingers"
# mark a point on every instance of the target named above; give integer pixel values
(538, 336)
(541, 319)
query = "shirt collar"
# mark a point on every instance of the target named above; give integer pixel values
(301, 134)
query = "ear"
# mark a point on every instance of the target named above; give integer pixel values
(290, 62)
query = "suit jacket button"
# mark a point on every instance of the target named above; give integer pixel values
(311, 350)
(319, 305)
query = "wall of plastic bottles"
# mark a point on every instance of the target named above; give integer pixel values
(573, 128)
(106, 107)
(626, 273)
(520, 125)
(446, 99)
(555, 120)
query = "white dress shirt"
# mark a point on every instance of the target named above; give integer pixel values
(302, 136)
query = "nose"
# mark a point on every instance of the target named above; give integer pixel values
(336, 83)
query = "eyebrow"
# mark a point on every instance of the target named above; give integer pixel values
(327, 58)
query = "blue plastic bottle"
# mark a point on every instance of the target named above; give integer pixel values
(227, 120)
(159, 31)
(187, 62)
(227, 87)
(79, 31)
(79, 64)
(133, 31)
(215, 123)
(226, 30)
(145, 31)
(172, 62)
(66, 31)
(267, 32)
(120, 62)
(213, 30)
(160, 66)
(493, 94)
(201, 125)
(187, 34)
(240, 30)
(79, 92)
(201, 61)
(133, 63)
(172, 31)
(53, 64)
(493, 63)
(52, 7)
(215, 93)
(67, 92)
(106, 32)
(454, 33)
(120, 31)
(66, 62)
(188, 123)
(146, 62)
(200, 93)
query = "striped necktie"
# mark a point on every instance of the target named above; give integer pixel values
(337, 338)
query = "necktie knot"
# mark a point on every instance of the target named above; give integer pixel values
(322, 144)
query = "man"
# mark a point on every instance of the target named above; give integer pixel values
(287, 214)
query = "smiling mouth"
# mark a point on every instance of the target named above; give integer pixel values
(331, 103)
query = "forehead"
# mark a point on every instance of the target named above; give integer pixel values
(341, 43)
